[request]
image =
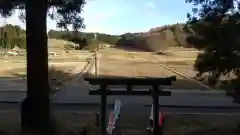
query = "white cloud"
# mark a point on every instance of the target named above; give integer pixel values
(150, 5)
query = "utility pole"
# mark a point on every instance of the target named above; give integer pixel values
(96, 54)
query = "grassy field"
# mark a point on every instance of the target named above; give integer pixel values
(137, 60)
(130, 63)
(123, 62)
(62, 67)
(58, 75)
(54, 45)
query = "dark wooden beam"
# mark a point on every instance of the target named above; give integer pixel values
(129, 87)
(130, 93)
(103, 89)
(155, 92)
(130, 80)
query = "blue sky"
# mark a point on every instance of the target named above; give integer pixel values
(121, 16)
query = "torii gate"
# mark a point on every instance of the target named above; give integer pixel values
(155, 92)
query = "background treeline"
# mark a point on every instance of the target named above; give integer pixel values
(156, 39)
(85, 40)
(12, 35)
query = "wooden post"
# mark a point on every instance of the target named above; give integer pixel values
(96, 63)
(96, 54)
(155, 96)
(103, 88)
(129, 87)
(97, 119)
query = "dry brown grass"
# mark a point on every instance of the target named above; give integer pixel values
(57, 77)
(117, 62)
(57, 43)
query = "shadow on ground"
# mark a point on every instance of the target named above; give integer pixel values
(71, 122)
(12, 84)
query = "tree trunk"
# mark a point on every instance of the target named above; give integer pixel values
(35, 109)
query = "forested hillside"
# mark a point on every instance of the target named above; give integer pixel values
(156, 39)
(159, 38)
(85, 40)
